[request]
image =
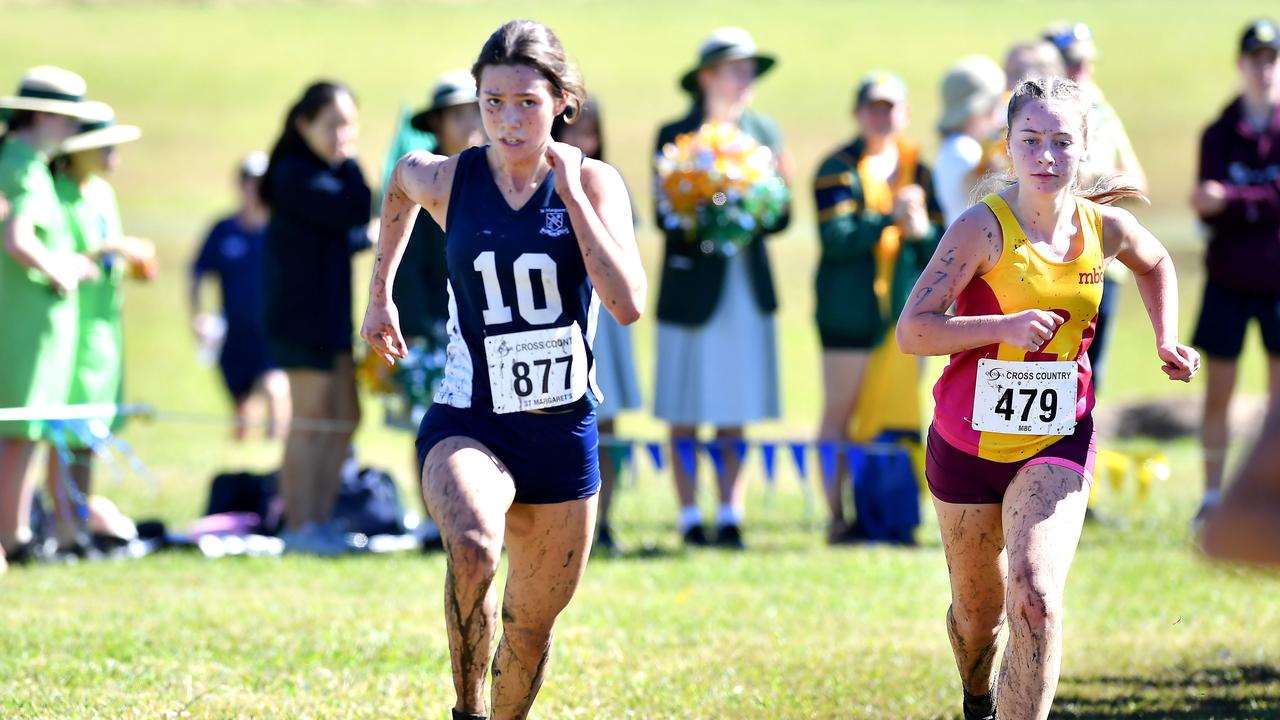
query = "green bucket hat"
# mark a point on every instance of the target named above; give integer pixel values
(729, 43)
(457, 87)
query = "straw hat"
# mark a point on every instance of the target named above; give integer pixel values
(972, 85)
(729, 43)
(96, 134)
(454, 88)
(52, 90)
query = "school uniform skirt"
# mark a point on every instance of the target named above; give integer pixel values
(724, 372)
(615, 367)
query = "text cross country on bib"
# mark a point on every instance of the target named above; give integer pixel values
(1025, 398)
(536, 369)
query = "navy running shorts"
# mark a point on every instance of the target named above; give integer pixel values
(552, 458)
(1225, 316)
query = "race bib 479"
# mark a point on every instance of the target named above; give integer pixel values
(1025, 398)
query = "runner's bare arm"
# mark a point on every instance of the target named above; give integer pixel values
(420, 179)
(1125, 239)
(970, 248)
(600, 211)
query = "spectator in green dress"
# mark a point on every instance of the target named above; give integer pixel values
(39, 274)
(93, 218)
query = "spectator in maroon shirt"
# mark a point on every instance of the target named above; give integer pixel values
(1238, 198)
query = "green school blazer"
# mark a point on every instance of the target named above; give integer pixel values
(692, 280)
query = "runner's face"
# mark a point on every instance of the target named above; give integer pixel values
(517, 105)
(460, 128)
(1259, 71)
(1046, 142)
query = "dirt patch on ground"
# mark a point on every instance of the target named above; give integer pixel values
(1173, 418)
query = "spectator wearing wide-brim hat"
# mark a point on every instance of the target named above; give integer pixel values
(39, 274)
(420, 292)
(972, 112)
(80, 177)
(717, 342)
(724, 45)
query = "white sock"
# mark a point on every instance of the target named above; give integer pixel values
(689, 516)
(1211, 497)
(728, 515)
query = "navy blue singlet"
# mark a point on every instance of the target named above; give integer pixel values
(522, 315)
(522, 312)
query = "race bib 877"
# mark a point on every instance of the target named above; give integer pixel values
(536, 369)
(1025, 398)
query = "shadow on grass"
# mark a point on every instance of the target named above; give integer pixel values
(1234, 692)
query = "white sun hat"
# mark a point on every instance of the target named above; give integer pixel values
(52, 90)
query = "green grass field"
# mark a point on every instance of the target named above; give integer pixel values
(791, 629)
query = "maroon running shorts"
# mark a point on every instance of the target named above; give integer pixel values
(957, 477)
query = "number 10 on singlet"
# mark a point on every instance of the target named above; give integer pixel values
(533, 369)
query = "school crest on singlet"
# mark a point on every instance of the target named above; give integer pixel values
(522, 311)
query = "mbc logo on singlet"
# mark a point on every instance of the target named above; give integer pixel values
(1091, 278)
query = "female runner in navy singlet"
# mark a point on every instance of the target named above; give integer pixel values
(536, 237)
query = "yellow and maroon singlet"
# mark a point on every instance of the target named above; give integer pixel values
(1025, 280)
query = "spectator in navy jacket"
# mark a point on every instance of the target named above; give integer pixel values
(1238, 198)
(320, 211)
(233, 253)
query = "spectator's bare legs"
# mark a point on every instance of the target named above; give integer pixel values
(608, 476)
(64, 511)
(309, 390)
(733, 491)
(842, 374)
(686, 478)
(1220, 380)
(547, 549)
(344, 411)
(275, 384)
(243, 417)
(15, 496)
(468, 492)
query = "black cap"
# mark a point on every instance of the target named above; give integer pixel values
(1260, 35)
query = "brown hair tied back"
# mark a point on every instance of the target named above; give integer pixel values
(532, 44)
(1108, 189)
